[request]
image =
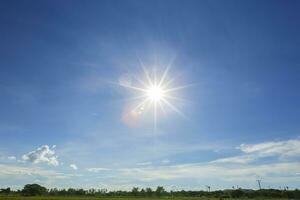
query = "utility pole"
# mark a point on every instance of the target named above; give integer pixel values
(208, 188)
(173, 188)
(258, 182)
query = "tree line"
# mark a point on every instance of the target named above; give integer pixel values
(159, 191)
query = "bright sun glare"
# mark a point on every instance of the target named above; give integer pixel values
(155, 91)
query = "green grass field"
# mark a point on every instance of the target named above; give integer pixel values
(112, 198)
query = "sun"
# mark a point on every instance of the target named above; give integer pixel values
(155, 93)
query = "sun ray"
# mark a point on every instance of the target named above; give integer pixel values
(179, 88)
(161, 107)
(155, 77)
(166, 96)
(174, 108)
(140, 104)
(128, 86)
(156, 93)
(155, 115)
(135, 88)
(168, 82)
(135, 98)
(141, 81)
(166, 72)
(146, 72)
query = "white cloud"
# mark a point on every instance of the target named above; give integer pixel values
(288, 148)
(236, 168)
(144, 163)
(42, 154)
(251, 152)
(97, 169)
(165, 161)
(235, 159)
(214, 171)
(73, 166)
(12, 170)
(11, 158)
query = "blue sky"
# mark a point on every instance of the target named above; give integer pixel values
(62, 105)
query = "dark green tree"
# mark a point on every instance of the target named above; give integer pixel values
(143, 192)
(5, 191)
(33, 190)
(237, 193)
(149, 192)
(159, 191)
(135, 191)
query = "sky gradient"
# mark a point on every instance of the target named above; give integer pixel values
(62, 103)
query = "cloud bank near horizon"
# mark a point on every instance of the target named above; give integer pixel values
(240, 169)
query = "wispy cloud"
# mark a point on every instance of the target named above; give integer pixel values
(11, 158)
(97, 169)
(165, 161)
(12, 170)
(144, 163)
(121, 146)
(252, 152)
(288, 148)
(235, 168)
(215, 171)
(42, 154)
(236, 159)
(73, 166)
(239, 169)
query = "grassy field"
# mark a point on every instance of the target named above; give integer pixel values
(112, 198)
